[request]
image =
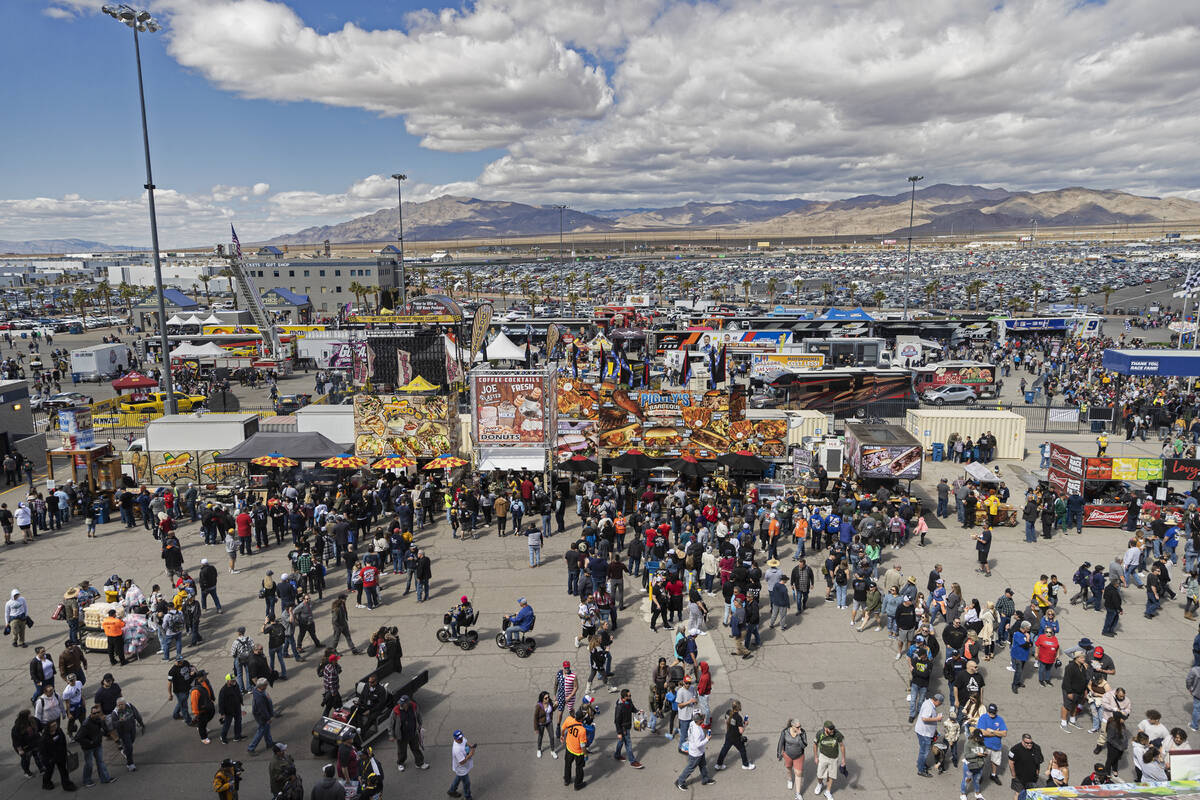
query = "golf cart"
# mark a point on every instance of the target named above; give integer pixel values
(365, 725)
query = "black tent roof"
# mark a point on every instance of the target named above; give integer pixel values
(300, 446)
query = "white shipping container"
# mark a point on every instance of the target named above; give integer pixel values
(205, 431)
(335, 423)
(931, 425)
(807, 422)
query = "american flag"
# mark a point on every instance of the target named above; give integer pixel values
(237, 246)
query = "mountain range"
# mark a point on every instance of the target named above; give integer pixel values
(939, 209)
(61, 246)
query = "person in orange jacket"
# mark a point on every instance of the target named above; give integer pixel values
(574, 736)
(203, 704)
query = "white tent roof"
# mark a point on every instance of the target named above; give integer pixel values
(502, 349)
(213, 319)
(211, 349)
(193, 320)
(177, 320)
(185, 350)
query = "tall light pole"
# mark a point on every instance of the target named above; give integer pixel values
(912, 204)
(400, 179)
(142, 22)
(561, 210)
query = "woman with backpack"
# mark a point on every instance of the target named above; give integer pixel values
(793, 742)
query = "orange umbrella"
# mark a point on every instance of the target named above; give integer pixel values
(394, 461)
(274, 460)
(446, 461)
(344, 461)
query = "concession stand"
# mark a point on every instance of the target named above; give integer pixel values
(882, 453)
(1100, 481)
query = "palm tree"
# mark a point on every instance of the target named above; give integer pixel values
(746, 289)
(359, 291)
(772, 285)
(80, 300)
(541, 284)
(1075, 292)
(879, 296)
(444, 274)
(973, 288)
(1020, 304)
(587, 285)
(1037, 288)
(1106, 290)
(931, 290)
(797, 287)
(608, 289)
(658, 282)
(227, 274)
(423, 279)
(104, 290)
(827, 290)
(204, 279)
(572, 298)
(469, 281)
(127, 293)
(641, 268)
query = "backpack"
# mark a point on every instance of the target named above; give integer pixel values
(174, 623)
(681, 647)
(242, 648)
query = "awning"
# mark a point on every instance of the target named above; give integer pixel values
(929, 344)
(300, 446)
(531, 459)
(980, 473)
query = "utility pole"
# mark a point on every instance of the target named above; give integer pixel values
(400, 179)
(912, 203)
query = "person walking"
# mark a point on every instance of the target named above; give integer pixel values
(126, 721)
(1112, 601)
(405, 729)
(1024, 765)
(735, 736)
(92, 733)
(203, 704)
(623, 713)
(340, 621)
(974, 759)
(462, 760)
(54, 756)
(574, 737)
(229, 707)
(829, 752)
(793, 742)
(1019, 653)
(926, 728)
(699, 734)
(993, 728)
(263, 710)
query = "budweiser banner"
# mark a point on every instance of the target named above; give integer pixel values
(1105, 516)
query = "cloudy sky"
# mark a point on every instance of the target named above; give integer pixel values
(279, 115)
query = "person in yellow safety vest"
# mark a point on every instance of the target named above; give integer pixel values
(1101, 445)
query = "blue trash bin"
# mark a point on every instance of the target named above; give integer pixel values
(938, 451)
(1029, 398)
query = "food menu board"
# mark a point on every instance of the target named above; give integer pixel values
(415, 425)
(889, 461)
(1099, 469)
(576, 438)
(663, 423)
(1150, 469)
(509, 408)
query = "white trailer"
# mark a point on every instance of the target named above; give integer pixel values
(100, 361)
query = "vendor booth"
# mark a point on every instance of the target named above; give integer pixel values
(932, 426)
(882, 452)
(1101, 480)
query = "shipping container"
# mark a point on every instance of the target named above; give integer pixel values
(882, 452)
(931, 425)
(807, 422)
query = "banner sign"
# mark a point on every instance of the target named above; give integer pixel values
(1064, 483)
(1066, 461)
(790, 360)
(403, 319)
(1105, 516)
(479, 329)
(415, 425)
(1182, 469)
(1099, 469)
(509, 408)
(75, 424)
(669, 423)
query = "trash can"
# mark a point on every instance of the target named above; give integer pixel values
(101, 510)
(939, 451)
(1029, 398)
(1097, 426)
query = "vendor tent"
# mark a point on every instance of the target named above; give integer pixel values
(134, 380)
(502, 349)
(300, 446)
(185, 350)
(177, 320)
(417, 384)
(210, 350)
(854, 314)
(213, 319)
(978, 472)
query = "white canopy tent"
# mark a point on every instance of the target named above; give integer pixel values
(213, 319)
(502, 349)
(177, 320)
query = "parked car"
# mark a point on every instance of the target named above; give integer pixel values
(65, 400)
(950, 394)
(155, 401)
